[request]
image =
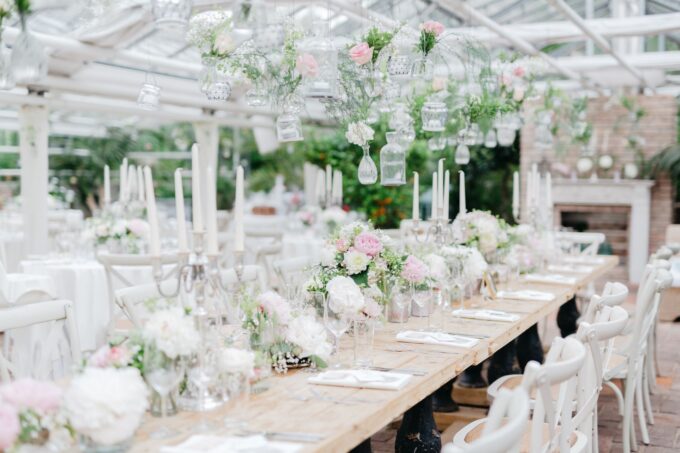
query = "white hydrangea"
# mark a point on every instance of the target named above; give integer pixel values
(173, 332)
(359, 133)
(327, 256)
(439, 270)
(345, 295)
(234, 360)
(356, 262)
(307, 333)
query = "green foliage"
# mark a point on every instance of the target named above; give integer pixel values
(378, 40)
(23, 6)
(426, 42)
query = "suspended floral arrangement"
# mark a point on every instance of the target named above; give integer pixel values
(430, 31)
(210, 32)
(6, 76)
(29, 60)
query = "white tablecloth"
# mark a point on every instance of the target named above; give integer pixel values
(12, 250)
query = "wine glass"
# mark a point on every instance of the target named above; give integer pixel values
(202, 375)
(457, 288)
(163, 374)
(422, 297)
(336, 321)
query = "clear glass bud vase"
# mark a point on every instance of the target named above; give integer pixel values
(6, 75)
(29, 61)
(368, 172)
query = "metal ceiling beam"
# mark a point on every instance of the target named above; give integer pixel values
(599, 41)
(459, 6)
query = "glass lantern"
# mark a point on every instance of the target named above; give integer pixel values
(171, 14)
(214, 82)
(399, 65)
(434, 114)
(392, 162)
(505, 136)
(322, 83)
(289, 128)
(462, 156)
(29, 61)
(149, 96)
(490, 139)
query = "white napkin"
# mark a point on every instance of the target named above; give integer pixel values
(526, 294)
(570, 268)
(231, 444)
(438, 338)
(558, 279)
(366, 379)
(486, 315)
(583, 259)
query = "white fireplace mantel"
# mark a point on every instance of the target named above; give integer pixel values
(633, 193)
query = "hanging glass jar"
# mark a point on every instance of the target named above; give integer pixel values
(422, 68)
(437, 143)
(214, 82)
(462, 156)
(469, 134)
(171, 14)
(490, 139)
(392, 162)
(6, 75)
(289, 127)
(400, 62)
(29, 60)
(257, 97)
(367, 172)
(505, 136)
(434, 114)
(149, 95)
(318, 63)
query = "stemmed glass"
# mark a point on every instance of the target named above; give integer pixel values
(457, 289)
(423, 299)
(163, 374)
(202, 375)
(336, 321)
(237, 394)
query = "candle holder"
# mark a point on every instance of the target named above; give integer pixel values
(438, 232)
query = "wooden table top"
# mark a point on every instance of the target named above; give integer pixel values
(348, 416)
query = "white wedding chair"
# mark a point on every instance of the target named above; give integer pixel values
(131, 300)
(49, 354)
(504, 428)
(613, 294)
(628, 361)
(587, 243)
(251, 275)
(554, 384)
(264, 244)
(34, 288)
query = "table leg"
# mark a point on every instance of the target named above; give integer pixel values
(442, 400)
(364, 447)
(529, 347)
(472, 377)
(418, 432)
(502, 362)
(567, 316)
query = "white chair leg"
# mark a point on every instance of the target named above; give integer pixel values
(641, 412)
(619, 396)
(629, 440)
(647, 399)
(595, 448)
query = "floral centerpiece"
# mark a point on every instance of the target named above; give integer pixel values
(285, 339)
(106, 405)
(468, 261)
(29, 415)
(481, 230)
(430, 31)
(119, 235)
(363, 254)
(211, 33)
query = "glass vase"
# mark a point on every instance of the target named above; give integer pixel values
(29, 61)
(392, 162)
(155, 406)
(433, 115)
(422, 68)
(289, 128)
(6, 74)
(363, 334)
(322, 78)
(368, 172)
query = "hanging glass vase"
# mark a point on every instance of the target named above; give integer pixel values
(505, 136)
(149, 95)
(368, 172)
(29, 60)
(372, 83)
(289, 127)
(490, 139)
(318, 59)
(433, 116)
(437, 143)
(213, 81)
(400, 62)
(462, 156)
(422, 68)
(171, 14)
(392, 162)
(257, 97)
(6, 75)
(469, 135)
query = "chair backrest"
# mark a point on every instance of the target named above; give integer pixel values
(58, 313)
(613, 294)
(130, 299)
(290, 270)
(563, 361)
(664, 253)
(504, 426)
(252, 273)
(588, 243)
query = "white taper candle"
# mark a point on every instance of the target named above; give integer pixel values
(211, 214)
(196, 203)
(107, 185)
(416, 196)
(515, 195)
(461, 194)
(181, 216)
(447, 189)
(152, 215)
(239, 234)
(435, 194)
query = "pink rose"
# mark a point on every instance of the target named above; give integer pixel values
(414, 270)
(506, 80)
(341, 245)
(372, 309)
(273, 304)
(108, 356)
(306, 65)
(9, 426)
(368, 243)
(438, 83)
(42, 397)
(361, 53)
(432, 26)
(518, 71)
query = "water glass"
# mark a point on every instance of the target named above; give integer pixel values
(236, 387)
(335, 320)
(163, 375)
(364, 332)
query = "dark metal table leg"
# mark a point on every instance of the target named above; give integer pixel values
(567, 316)
(364, 447)
(442, 400)
(502, 363)
(418, 432)
(472, 377)
(529, 347)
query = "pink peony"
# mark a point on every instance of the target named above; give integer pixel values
(518, 71)
(361, 53)
(306, 65)
(368, 243)
(273, 304)
(341, 245)
(107, 356)
(9, 426)
(506, 80)
(432, 26)
(414, 270)
(439, 83)
(42, 397)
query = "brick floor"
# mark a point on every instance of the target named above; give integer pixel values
(664, 434)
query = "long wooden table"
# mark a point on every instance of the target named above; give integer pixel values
(347, 416)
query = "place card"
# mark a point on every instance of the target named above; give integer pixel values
(581, 269)
(557, 279)
(229, 444)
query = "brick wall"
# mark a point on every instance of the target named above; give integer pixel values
(658, 129)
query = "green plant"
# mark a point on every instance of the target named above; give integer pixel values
(378, 40)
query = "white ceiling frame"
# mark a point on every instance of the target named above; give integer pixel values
(598, 40)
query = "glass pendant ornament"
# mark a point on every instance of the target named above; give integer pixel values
(392, 162)
(6, 75)
(490, 140)
(213, 81)
(505, 136)
(437, 143)
(289, 128)
(171, 14)
(468, 136)
(368, 172)
(29, 60)
(321, 63)
(462, 156)
(433, 115)
(422, 68)
(400, 62)
(149, 95)
(257, 97)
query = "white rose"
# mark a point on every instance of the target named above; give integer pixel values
(233, 360)
(359, 133)
(438, 267)
(327, 256)
(344, 295)
(224, 43)
(311, 336)
(173, 332)
(356, 262)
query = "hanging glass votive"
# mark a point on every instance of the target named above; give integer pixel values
(256, 97)
(462, 156)
(29, 60)
(422, 68)
(214, 82)
(468, 136)
(490, 140)
(399, 65)
(289, 128)
(149, 95)
(505, 136)
(171, 14)
(367, 172)
(433, 115)
(392, 162)
(437, 143)
(317, 63)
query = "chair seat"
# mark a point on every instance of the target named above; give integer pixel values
(473, 431)
(617, 367)
(512, 381)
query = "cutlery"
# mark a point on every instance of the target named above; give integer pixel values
(410, 371)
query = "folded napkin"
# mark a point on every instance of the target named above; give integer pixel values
(570, 268)
(231, 444)
(558, 279)
(486, 315)
(365, 379)
(526, 294)
(583, 259)
(438, 338)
